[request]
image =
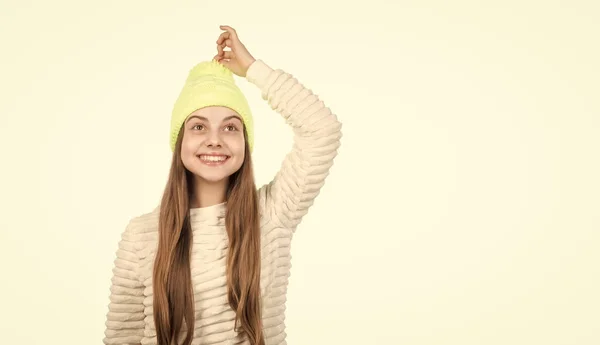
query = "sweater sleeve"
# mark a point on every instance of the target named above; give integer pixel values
(125, 318)
(317, 134)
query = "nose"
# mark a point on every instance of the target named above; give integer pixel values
(213, 140)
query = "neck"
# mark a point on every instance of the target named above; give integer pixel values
(208, 193)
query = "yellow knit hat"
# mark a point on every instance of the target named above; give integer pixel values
(209, 83)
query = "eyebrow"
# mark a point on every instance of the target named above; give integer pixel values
(205, 119)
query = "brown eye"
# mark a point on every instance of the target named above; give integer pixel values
(230, 128)
(195, 126)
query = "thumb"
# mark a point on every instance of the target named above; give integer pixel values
(220, 60)
(226, 63)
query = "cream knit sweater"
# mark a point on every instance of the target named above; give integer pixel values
(283, 203)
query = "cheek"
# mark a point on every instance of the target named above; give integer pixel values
(188, 149)
(236, 145)
(191, 142)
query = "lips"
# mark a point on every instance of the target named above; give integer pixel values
(213, 159)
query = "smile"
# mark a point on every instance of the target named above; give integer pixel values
(213, 159)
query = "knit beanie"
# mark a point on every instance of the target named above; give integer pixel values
(209, 83)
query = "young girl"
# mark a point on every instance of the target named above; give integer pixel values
(215, 254)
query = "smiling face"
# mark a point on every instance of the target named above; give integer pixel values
(213, 144)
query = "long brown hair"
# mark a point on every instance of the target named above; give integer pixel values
(172, 280)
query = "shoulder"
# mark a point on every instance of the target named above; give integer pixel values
(143, 227)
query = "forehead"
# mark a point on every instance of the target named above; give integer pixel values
(214, 113)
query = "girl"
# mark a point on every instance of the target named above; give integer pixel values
(215, 254)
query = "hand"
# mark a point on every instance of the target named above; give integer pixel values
(238, 59)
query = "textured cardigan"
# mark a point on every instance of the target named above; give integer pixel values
(283, 202)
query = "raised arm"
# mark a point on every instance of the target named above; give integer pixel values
(125, 318)
(317, 134)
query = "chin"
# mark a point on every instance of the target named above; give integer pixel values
(212, 179)
(214, 174)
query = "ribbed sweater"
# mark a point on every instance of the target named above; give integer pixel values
(283, 202)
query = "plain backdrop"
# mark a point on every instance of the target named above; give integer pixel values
(463, 208)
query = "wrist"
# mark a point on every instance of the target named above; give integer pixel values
(248, 64)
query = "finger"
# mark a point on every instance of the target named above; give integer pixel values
(229, 29)
(229, 43)
(222, 49)
(228, 55)
(223, 36)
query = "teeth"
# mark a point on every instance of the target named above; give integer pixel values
(213, 158)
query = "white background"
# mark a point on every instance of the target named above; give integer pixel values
(463, 208)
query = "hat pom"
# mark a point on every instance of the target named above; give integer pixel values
(210, 68)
